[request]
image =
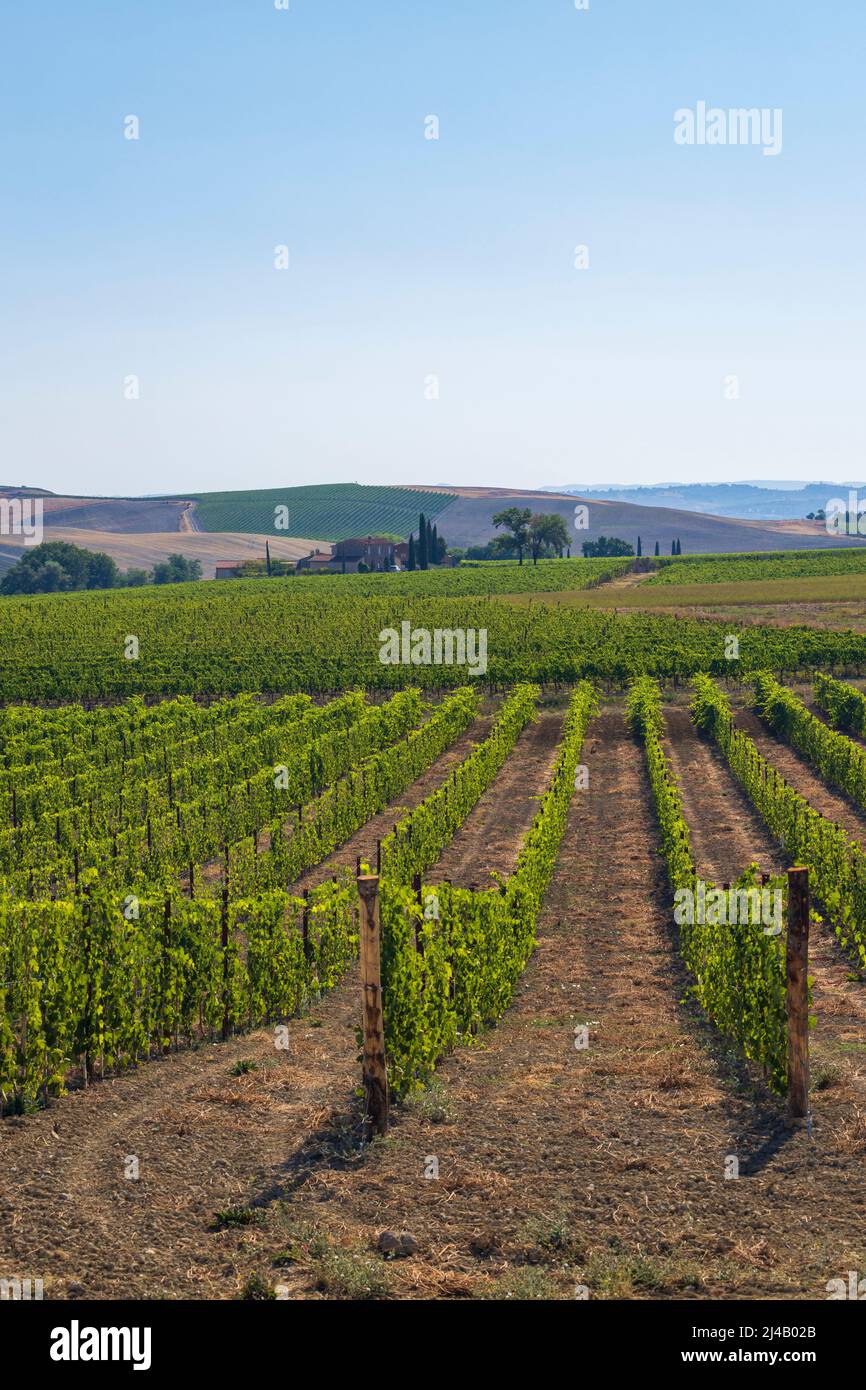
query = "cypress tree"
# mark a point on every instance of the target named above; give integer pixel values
(422, 543)
(411, 561)
(639, 551)
(657, 548)
(431, 558)
(434, 546)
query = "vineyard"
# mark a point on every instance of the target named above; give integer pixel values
(192, 879)
(769, 564)
(269, 636)
(331, 512)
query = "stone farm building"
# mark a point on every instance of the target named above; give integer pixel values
(376, 552)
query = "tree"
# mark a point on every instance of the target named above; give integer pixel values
(515, 520)
(607, 546)
(547, 532)
(102, 572)
(431, 557)
(657, 547)
(136, 578)
(59, 567)
(673, 547)
(422, 542)
(411, 560)
(268, 559)
(639, 551)
(177, 569)
(433, 553)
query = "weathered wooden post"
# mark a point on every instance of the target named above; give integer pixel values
(797, 969)
(375, 1073)
(305, 925)
(224, 948)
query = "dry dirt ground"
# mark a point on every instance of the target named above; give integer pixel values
(532, 1169)
(492, 833)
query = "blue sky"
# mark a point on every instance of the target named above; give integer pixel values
(413, 258)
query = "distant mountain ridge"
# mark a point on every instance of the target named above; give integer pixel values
(784, 501)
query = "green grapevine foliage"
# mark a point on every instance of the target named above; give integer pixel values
(739, 971)
(451, 957)
(837, 864)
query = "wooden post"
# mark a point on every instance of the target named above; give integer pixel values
(797, 968)
(375, 1073)
(416, 889)
(224, 948)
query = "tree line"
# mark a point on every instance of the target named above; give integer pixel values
(60, 567)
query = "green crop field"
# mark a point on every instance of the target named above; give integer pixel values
(276, 635)
(475, 579)
(329, 512)
(771, 564)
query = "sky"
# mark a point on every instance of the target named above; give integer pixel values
(435, 323)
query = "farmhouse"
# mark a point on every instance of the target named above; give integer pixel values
(374, 552)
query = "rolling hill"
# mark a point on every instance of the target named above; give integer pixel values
(227, 527)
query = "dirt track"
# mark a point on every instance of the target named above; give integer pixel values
(491, 836)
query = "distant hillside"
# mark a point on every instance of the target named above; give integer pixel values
(750, 501)
(469, 521)
(227, 526)
(328, 511)
(464, 516)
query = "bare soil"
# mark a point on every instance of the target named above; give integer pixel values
(489, 839)
(802, 778)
